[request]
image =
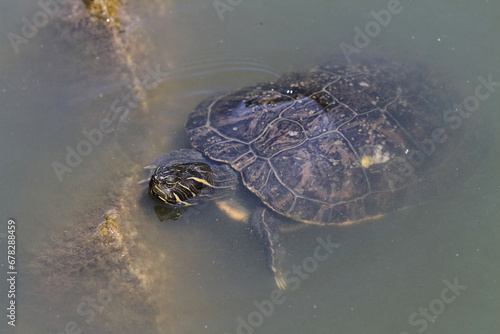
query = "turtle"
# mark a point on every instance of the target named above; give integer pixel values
(339, 144)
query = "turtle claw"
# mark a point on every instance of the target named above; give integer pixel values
(280, 280)
(265, 226)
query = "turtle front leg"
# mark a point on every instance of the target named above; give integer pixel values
(264, 225)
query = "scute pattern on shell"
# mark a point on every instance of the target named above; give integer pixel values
(331, 145)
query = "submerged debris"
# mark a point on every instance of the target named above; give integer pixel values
(106, 10)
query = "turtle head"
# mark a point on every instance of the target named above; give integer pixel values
(179, 184)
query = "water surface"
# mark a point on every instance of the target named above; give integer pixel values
(384, 275)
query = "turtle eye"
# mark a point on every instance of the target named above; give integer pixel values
(166, 176)
(169, 181)
(170, 184)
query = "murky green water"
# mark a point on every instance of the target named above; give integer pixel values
(429, 269)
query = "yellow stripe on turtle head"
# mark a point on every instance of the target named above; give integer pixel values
(177, 199)
(187, 188)
(197, 179)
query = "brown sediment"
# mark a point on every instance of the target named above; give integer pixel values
(100, 272)
(105, 10)
(104, 261)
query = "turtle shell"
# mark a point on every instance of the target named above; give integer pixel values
(337, 144)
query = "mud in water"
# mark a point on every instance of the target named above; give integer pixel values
(99, 273)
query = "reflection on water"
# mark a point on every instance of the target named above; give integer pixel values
(206, 274)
